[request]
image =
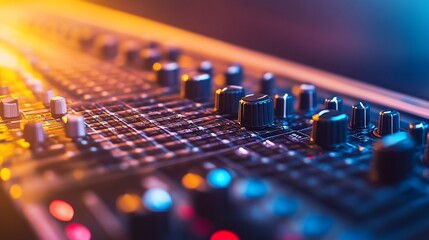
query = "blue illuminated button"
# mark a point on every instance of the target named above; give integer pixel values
(316, 225)
(282, 206)
(219, 178)
(252, 188)
(157, 200)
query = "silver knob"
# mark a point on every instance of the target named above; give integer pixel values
(58, 107)
(75, 126)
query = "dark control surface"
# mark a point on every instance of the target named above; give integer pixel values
(159, 146)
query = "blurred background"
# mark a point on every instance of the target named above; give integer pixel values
(384, 42)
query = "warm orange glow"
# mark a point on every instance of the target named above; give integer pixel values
(185, 77)
(128, 203)
(61, 210)
(192, 181)
(5, 174)
(156, 66)
(78, 174)
(15, 191)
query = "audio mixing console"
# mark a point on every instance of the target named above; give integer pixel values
(109, 135)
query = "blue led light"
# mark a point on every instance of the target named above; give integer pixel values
(282, 206)
(219, 178)
(157, 200)
(253, 188)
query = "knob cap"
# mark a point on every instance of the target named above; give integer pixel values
(9, 108)
(227, 99)
(268, 84)
(107, 47)
(46, 96)
(34, 134)
(173, 54)
(334, 103)
(131, 52)
(388, 123)
(58, 107)
(196, 86)
(256, 111)
(167, 73)
(392, 158)
(234, 75)
(206, 67)
(307, 99)
(149, 57)
(283, 105)
(418, 131)
(361, 116)
(75, 126)
(329, 128)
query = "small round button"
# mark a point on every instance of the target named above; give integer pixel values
(167, 73)
(334, 103)
(283, 105)
(329, 128)
(256, 111)
(361, 116)
(388, 123)
(393, 158)
(46, 96)
(307, 99)
(196, 86)
(227, 99)
(268, 84)
(234, 75)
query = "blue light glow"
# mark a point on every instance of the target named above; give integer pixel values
(157, 200)
(219, 178)
(253, 188)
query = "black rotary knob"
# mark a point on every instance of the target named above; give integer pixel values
(206, 67)
(131, 52)
(173, 53)
(283, 105)
(227, 99)
(268, 84)
(388, 123)
(234, 75)
(107, 47)
(361, 116)
(196, 86)
(149, 56)
(418, 131)
(393, 158)
(307, 99)
(167, 73)
(335, 103)
(329, 128)
(256, 111)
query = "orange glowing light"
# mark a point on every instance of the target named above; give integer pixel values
(128, 203)
(5, 174)
(156, 66)
(185, 77)
(61, 210)
(15, 191)
(192, 181)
